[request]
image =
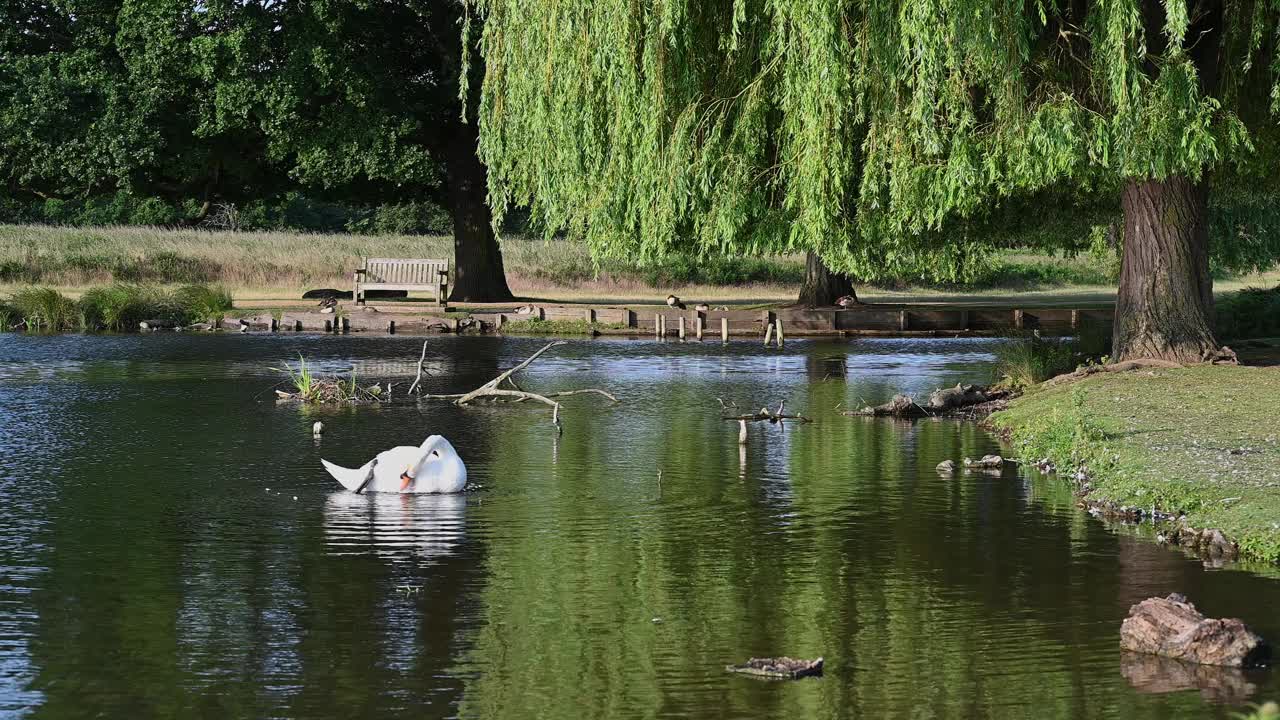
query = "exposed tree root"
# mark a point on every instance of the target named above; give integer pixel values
(1123, 366)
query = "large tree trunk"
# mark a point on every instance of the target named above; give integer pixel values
(1164, 309)
(821, 287)
(478, 275)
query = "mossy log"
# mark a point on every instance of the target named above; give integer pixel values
(941, 402)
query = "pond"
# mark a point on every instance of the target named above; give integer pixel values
(170, 545)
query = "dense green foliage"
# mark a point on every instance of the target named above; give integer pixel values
(222, 100)
(333, 115)
(292, 211)
(893, 138)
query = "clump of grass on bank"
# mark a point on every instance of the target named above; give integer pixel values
(534, 326)
(1249, 313)
(1027, 360)
(1201, 441)
(45, 309)
(122, 306)
(118, 307)
(203, 303)
(9, 317)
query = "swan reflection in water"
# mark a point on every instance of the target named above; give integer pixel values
(398, 527)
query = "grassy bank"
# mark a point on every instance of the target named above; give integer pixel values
(1201, 441)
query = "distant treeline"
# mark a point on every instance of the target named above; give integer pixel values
(292, 211)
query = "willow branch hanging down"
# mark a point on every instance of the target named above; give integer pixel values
(493, 391)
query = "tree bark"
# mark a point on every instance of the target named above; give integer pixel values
(821, 286)
(1164, 309)
(478, 275)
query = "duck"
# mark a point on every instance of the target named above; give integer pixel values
(328, 305)
(432, 467)
(673, 301)
(846, 301)
(702, 307)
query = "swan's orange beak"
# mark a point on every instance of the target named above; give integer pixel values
(405, 479)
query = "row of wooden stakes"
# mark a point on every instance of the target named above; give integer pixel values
(772, 332)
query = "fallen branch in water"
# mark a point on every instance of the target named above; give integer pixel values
(492, 391)
(763, 414)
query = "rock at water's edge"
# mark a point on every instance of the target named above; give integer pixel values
(1172, 627)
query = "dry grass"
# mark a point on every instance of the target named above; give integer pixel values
(268, 268)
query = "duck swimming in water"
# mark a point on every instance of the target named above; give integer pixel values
(433, 467)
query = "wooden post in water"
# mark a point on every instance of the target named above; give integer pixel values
(328, 326)
(742, 432)
(589, 315)
(346, 325)
(697, 326)
(391, 327)
(275, 324)
(1017, 319)
(768, 334)
(657, 326)
(1075, 319)
(724, 329)
(778, 323)
(902, 319)
(680, 328)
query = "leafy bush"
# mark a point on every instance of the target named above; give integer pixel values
(1266, 711)
(45, 309)
(1249, 313)
(409, 218)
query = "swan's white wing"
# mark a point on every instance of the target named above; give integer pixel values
(351, 479)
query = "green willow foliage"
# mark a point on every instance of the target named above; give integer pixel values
(884, 135)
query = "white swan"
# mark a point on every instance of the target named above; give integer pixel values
(433, 467)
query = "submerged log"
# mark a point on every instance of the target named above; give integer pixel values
(1172, 627)
(780, 668)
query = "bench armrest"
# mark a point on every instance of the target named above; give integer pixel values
(361, 271)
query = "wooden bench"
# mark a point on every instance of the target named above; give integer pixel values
(402, 274)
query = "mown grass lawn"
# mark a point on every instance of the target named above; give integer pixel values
(1204, 441)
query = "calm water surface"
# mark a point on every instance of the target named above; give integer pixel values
(171, 547)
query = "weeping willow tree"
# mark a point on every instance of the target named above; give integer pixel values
(886, 137)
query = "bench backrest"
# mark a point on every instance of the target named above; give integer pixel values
(403, 271)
